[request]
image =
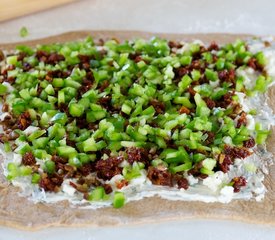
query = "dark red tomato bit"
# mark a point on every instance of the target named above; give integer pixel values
(183, 183)
(108, 168)
(122, 183)
(137, 154)
(50, 183)
(242, 121)
(24, 121)
(224, 162)
(28, 159)
(250, 143)
(238, 183)
(213, 46)
(158, 106)
(159, 176)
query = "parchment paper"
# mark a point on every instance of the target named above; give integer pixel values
(21, 213)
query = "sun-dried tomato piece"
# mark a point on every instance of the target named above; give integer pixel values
(250, 143)
(236, 152)
(183, 183)
(209, 102)
(5, 107)
(181, 71)
(158, 106)
(191, 91)
(137, 154)
(50, 183)
(83, 58)
(224, 162)
(24, 121)
(28, 159)
(213, 46)
(104, 85)
(183, 110)
(108, 188)
(122, 183)
(54, 58)
(174, 44)
(81, 188)
(238, 183)
(253, 63)
(86, 169)
(108, 168)
(242, 121)
(210, 138)
(2, 55)
(159, 176)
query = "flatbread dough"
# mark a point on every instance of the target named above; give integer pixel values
(21, 213)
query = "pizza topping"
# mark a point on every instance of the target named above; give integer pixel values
(238, 183)
(183, 183)
(106, 169)
(100, 116)
(28, 159)
(160, 176)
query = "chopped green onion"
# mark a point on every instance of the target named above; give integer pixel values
(24, 32)
(119, 200)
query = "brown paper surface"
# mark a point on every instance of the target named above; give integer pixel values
(21, 213)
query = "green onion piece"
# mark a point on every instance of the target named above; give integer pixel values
(23, 148)
(76, 110)
(185, 60)
(11, 60)
(197, 157)
(119, 200)
(97, 194)
(60, 118)
(7, 147)
(209, 163)
(24, 32)
(184, 83)
(25, 170)
(220, 64)
(177, 156)
(58, 82)
(239, 84)
(131, 144)
(261, 58)
(130, 172)
(261, 84)
(66, 151)
(261, 136)
(89, 145)
(206, 171)
(40, 143)
(13, 171)
(159, 162)
(25, 94)
(184, 101)
(35, 178)
(211, 75)
(195, 75)
(49, 166)
(3, 89)
(181, 168)
(61, 97)
(74, 161)
(49, 89)
(36, 134)
(194, 47)
(126, 109)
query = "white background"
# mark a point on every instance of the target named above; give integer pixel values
(186, 16)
